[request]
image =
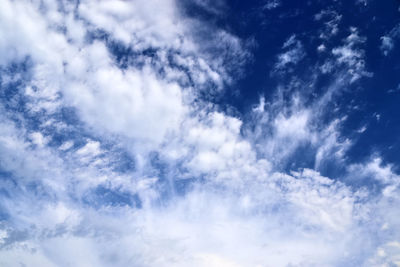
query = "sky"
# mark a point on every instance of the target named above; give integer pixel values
(199, 133)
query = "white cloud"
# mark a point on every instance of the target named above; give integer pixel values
(38, 139)
(281, 127)
(292, 56)
(351, 56)
(215, 7)
(199, 229)
(375, 170)
(331, 20)
(271, 4)
(387, 45)
(66, 145)
(321, 48)
(67, 203)
(384, 207)
(362, 129)
(388, 40)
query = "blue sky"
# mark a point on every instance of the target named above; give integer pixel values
(199, 133)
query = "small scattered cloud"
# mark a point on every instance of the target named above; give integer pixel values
(388, 40)
(271, 4)
(331, 21)
(293, 54)
(352, 56)
(387, 45)
(362, 129)
(321, 48)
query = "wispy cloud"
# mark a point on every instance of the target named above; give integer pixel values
(293, 54)
(388, 41)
